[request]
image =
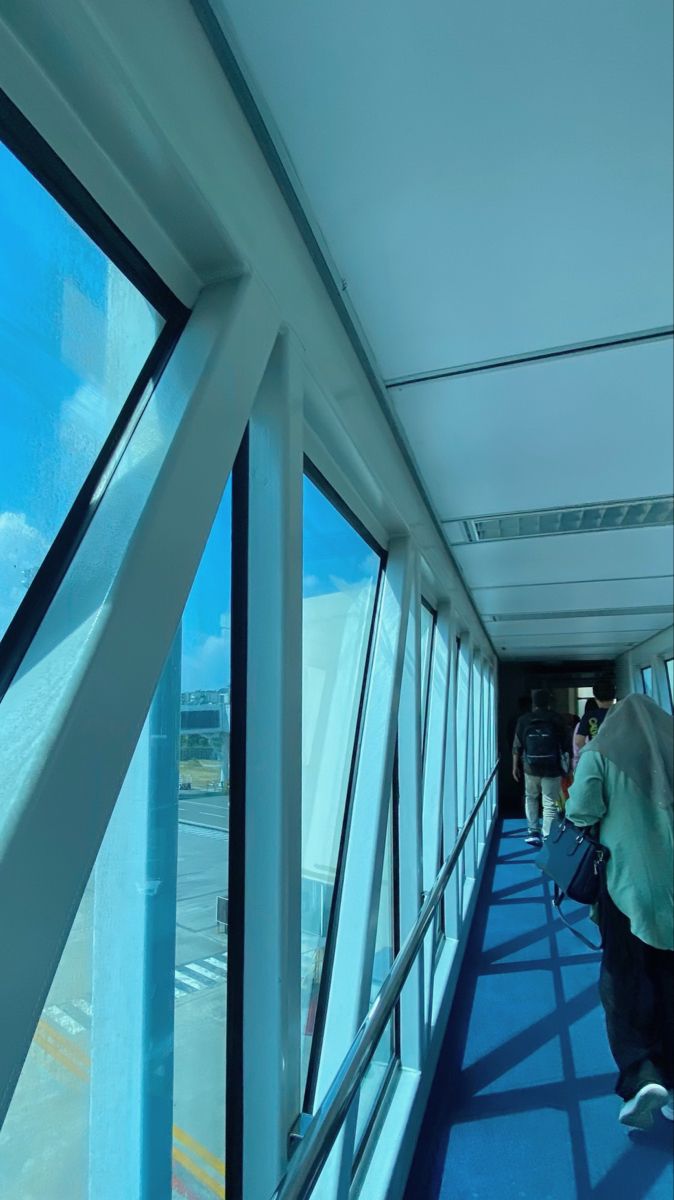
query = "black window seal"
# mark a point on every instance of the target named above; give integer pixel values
(25, 143)
(236, 940)
(319, 481)
(37, 156)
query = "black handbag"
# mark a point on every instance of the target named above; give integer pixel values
(575, 860)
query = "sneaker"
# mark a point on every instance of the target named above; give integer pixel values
(667, 1109)
(638, 1112)
(534, 839)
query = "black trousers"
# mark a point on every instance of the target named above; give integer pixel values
(636, 986)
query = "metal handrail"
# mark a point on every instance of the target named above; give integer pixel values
(312, 1152)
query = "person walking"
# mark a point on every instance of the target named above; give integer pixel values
(590, 710)
(542, 746)
(592, 720)
(624, 782)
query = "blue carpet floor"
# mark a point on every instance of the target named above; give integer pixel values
(522, 1107)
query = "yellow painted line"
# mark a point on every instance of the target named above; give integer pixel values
(216, 1163)
(61, 1058)
(75, 1060)
(218, 1189)
(65, 1043)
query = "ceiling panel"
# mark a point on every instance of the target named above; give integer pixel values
(547, 434)
(559, 655)
(567, 639)
(490, 180)
(449, 153)
(614, 554)
(639, 627)
(581, 598)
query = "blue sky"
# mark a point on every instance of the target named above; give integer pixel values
(63, 310)
(73, 335)
(335, 556)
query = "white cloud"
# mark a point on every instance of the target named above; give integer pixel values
(22, 549)
(207, 666)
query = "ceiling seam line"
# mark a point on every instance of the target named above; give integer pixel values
(660, 333)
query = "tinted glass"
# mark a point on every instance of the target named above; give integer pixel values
(647, 680)
(340, 580)
(138, 1004)
(669, 665)
(427, 629)
(74, 334)
(376, 1074)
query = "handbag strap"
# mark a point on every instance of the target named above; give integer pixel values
(557, 901)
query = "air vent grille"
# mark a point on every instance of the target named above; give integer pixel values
(628, 514)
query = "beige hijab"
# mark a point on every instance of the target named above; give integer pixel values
(638, 737)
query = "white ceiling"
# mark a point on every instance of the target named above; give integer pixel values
(492, 180)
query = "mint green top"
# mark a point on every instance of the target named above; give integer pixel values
(640, 836)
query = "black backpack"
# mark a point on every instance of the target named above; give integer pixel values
(542, 749)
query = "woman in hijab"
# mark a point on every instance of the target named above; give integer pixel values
(624, 781)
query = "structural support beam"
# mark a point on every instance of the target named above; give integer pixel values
(273, 795)
(133, 965)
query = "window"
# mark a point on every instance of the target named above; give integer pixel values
(74, 335)
(137, 1007)
(427, 636)
(462, 701)
(477, 731)
(377, 1074)
(583, 695)
(669, 667)
(341, 573)
(647, 680)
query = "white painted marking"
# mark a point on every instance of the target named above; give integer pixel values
(84, 1006)
(193, 983)
(203, 971)
(61, 1018)
(217, 962)
(178, 992)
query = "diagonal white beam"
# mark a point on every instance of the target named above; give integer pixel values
(96, 658)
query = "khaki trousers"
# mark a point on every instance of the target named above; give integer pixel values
(549, 789)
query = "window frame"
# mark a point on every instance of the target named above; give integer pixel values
(333, 497)
(37, 156)
(642, 672)
(670, 679)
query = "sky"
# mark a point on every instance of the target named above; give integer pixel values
(335, 557)
(74, 333)
(65, 314)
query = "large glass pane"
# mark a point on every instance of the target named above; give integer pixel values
(647, 680)
(340, 580)
(74, 334)
(377, 1072)
(462, 699)
(137, 1008)
(203, 875)
(427, 628)
(477, 731)
(669, 665)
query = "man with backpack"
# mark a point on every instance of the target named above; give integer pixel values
(542, 745)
